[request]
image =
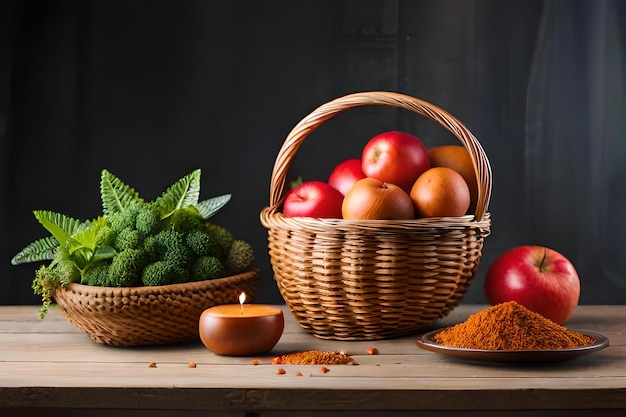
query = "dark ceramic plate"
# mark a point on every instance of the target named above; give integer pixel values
(426, 341)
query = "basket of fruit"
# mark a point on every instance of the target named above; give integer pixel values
(143, 272)
(385, 257)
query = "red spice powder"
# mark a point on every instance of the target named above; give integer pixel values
(510, 326)
(316, 357)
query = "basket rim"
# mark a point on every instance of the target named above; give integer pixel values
(272, 215)
(326, 111)
(160, 289)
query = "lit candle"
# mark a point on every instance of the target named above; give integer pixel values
(242, 299)
(241, 330)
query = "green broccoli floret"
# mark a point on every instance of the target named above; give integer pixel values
(185, 220)
(148, 220)
(154, 250)
(240, 257)
(105, 237)
(65, 269)
(97, 274)
(68, 272)
(127, 267)
(222, 236)
(128, 238)
(118, 222)
(163, 273)
(171, 246)
(124, 218)
(202, 243)
(207, 267)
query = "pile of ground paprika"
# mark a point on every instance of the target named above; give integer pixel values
(510, 326)
(314, 357)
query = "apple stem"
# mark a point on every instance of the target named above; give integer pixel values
(543, 259)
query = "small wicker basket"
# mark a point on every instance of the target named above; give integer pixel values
(151, 315)
(374, 279)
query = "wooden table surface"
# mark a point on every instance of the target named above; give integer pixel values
(48, 365)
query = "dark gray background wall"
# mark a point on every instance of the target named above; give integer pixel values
(154, 89)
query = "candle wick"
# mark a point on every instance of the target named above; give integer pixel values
(242, 309)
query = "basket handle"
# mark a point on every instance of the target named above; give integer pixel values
(328, 110)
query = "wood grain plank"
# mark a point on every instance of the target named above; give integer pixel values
(459, 375)
(50, 364)
(77, 347)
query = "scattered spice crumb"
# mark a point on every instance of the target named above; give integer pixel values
(255, 362)
(152, 365)
(276, 360)
(372, 351)
(281, 371)
(298, 373)
(192, 364)
(324, 369)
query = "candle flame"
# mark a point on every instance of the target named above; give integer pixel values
(242, 299)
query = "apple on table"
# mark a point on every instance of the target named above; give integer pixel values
(539, 278)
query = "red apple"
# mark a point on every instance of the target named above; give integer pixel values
(372, 199)
(539, 278)
(313, 199)
(395, 157)
(345, 174)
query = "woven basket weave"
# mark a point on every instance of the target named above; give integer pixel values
(374, 279)
(151, 315)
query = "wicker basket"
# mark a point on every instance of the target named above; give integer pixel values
(375, 279)
(155, 315)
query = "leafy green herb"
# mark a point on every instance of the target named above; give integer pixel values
(115, 195)
(45, 284)
(77, 249)
(40, 250)
(183, 193)
(208, 208)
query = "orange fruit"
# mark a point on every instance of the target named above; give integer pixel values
(457, 158)
(440, 192)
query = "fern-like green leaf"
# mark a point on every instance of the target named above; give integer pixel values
(59, 225)
(183, 193)
(208, 208)
(40, 250)
(115, 194)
